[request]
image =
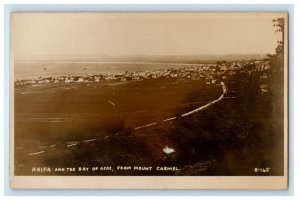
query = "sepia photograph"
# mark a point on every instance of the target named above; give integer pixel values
(149, 100)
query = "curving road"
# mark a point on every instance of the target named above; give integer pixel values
(192, 111)
(208, 104)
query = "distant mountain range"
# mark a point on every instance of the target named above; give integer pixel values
(192, 59)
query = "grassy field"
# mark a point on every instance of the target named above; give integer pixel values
(58, 114)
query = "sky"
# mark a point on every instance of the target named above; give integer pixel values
(56, 34)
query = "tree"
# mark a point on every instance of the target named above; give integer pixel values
(277, 59)
(279, 25)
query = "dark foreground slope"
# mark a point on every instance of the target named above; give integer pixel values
(239, 135)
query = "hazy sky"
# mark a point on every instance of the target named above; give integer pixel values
(150, 34)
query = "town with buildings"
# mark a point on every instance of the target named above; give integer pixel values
(209, 73)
